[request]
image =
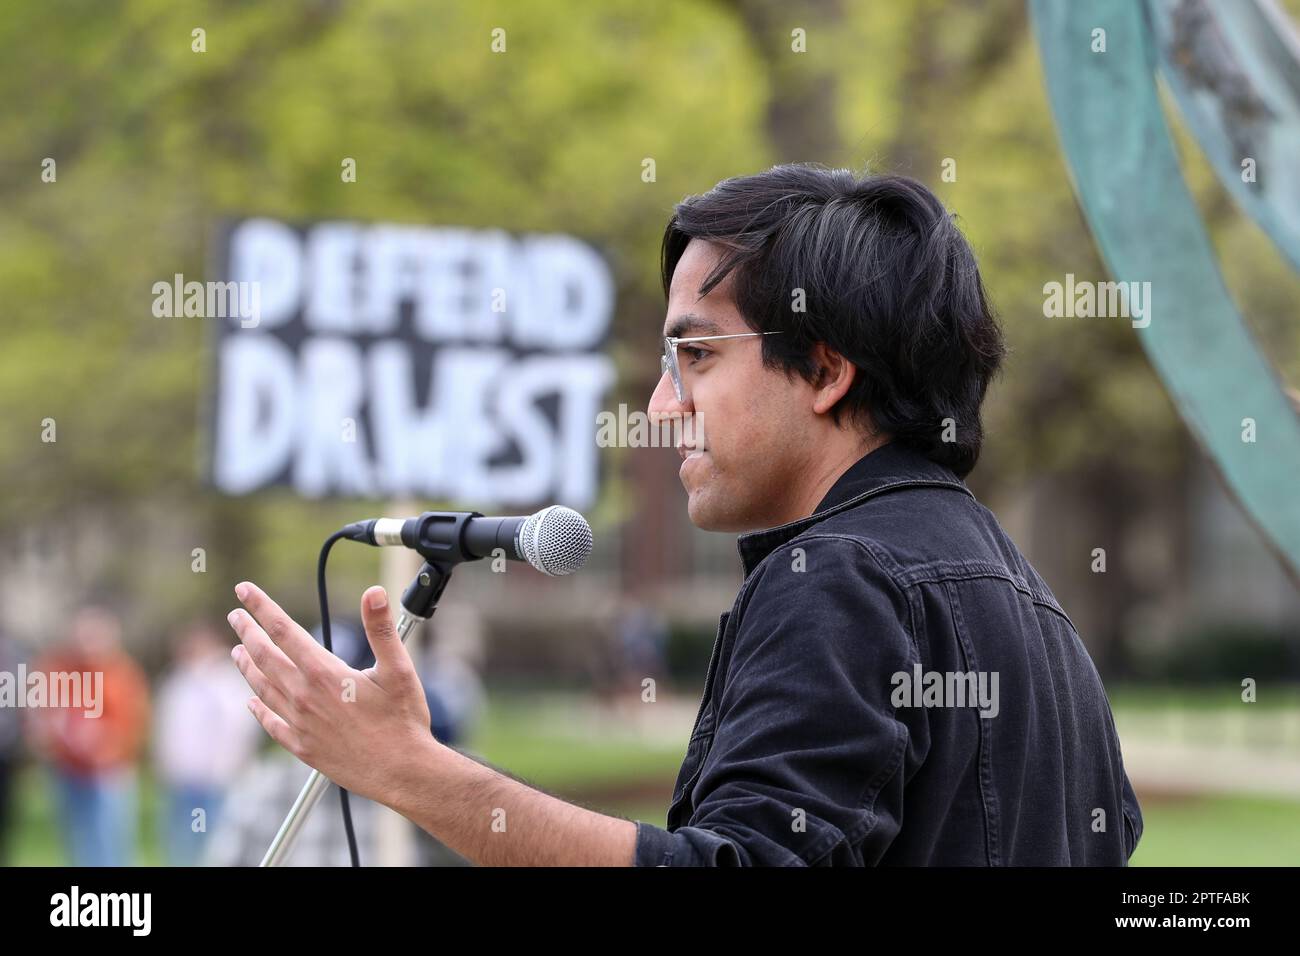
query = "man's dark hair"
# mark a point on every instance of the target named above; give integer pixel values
(888, 282)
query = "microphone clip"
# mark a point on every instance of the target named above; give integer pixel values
(437, 536)
(421, 597)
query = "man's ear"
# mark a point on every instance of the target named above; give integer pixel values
(835, 374)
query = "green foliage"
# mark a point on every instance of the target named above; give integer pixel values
(1232, 647)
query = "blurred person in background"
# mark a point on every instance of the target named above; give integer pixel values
(202, 738)
(256, 803)
(93, 752)
(642, 643)
(451, 667)
(635, 650)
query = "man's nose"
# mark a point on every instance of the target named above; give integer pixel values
(663, 401)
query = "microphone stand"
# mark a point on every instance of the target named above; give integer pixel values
(419, 601)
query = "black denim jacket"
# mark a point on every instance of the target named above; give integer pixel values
(896, 685)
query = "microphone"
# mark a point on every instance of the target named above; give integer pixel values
(555, 540)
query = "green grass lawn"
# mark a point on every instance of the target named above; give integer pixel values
(1220, 831)
(512, 737)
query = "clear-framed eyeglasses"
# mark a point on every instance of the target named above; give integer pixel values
(668, 361)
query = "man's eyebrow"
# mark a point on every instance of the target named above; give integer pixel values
(692, 324)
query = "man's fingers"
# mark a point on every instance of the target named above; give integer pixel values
(263, 654)
(275, 726)
(390, 654)
(260, 683)
(296, 643)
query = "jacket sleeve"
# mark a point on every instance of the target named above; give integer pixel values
(807, 762)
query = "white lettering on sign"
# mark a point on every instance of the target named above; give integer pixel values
(468, 359)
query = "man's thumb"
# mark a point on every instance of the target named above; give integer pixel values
(390, 654)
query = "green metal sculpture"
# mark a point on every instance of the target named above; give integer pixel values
(1232, 68)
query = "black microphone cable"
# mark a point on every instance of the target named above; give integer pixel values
(325, 634)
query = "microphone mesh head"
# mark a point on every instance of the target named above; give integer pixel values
(556, 540)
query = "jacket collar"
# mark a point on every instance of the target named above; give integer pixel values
(889, 466)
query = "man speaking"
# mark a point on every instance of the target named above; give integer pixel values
(894, 683)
